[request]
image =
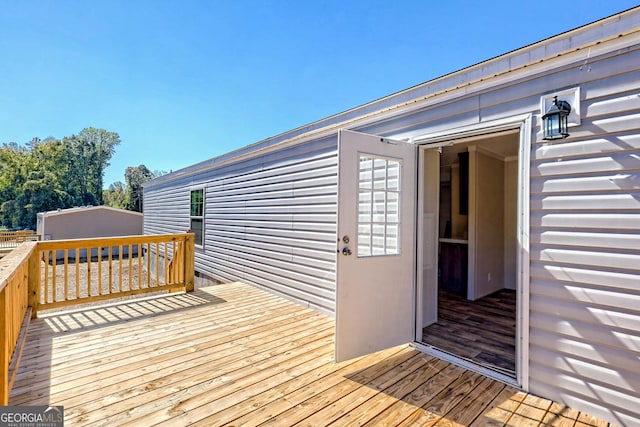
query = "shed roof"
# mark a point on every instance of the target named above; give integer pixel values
(86, 209)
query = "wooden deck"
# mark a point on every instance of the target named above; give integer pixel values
(234, 355)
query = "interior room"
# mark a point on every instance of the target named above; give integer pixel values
(477, 252)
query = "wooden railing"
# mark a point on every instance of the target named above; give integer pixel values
(49, 274)
(11, 239)
(88, 270)
(14, 312)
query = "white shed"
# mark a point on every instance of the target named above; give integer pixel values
(88, 221)
(441, 216)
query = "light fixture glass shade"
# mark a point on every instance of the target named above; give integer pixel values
(556, 121)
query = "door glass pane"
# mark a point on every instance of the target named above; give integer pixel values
(366, 170)
(379, 174)
(393, 176)
(377, 239)
(364, 239)
(393, 208)
(378, 206)
(364, 207)
(391, 239)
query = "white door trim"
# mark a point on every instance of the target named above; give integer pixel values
(444, 138)
(523, 125)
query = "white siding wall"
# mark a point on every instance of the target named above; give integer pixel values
(270, 221)
(585, 250)
(585, 227)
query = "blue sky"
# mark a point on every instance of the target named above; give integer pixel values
(183, 81)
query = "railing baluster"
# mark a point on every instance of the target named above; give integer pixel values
(54, 273)
(89, 290)
(77, 262)
(149, 264)
(171, 271)
(46, 277)
(140, 276)
(157, 278)
(166, 262)
(99, 270)
(130, 266)
(120, 266)
(66, 274)
(111, 270)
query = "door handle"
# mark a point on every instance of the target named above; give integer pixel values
(346, 251)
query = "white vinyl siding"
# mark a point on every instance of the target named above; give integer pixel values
(585, 251)
(270, 221)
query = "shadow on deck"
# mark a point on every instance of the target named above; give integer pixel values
(235, 355)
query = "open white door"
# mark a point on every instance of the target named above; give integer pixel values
(376, 244)
(428, 245)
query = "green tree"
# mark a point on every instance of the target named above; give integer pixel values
(102, 145)
(116, 195)
(14, 163)
(90, 153)
(50, 174)
(135, 177)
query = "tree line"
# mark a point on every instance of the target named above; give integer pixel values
(129, 195)
(51, 174)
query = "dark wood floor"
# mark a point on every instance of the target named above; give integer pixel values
(482, 331)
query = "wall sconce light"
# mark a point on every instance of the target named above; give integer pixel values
(555, 121)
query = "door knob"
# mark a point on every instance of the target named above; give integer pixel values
(346, 251)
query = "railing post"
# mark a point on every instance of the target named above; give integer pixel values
(34, 281)
(4, 348)
(189, 262)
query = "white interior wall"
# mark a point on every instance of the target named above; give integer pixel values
(510, 222)
(486, 203)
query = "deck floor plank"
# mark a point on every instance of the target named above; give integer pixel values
(234, 355)
(430, 372)
(129, 390)
(130, 360)
(67, 343)
(472, 405)
(217, 370)
(444, 399)
(70, 356)
(361, 386)
(348, 403)
(296, 397)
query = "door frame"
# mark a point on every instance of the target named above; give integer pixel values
(523, 124)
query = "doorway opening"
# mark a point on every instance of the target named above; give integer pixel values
(467, 289)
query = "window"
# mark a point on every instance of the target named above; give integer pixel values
(196, 215)
(378, 206)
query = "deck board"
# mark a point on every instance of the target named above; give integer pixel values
(234, 355)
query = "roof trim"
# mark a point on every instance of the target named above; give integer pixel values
(81, 209)
(453, 84)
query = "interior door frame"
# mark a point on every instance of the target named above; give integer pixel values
(522, 123)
